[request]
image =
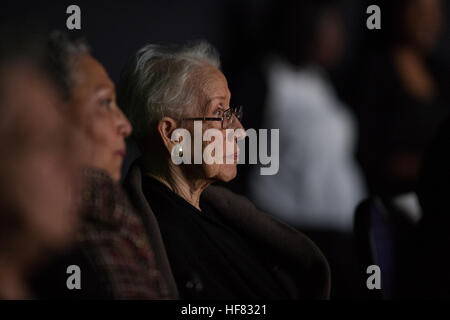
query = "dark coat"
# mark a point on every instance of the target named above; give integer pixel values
(298, 263)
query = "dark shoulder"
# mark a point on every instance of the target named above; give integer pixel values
(224, 196)
(295, 251)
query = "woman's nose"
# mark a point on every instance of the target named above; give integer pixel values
(124, 126)
(237, 123)
(238, 132)
(239, 128)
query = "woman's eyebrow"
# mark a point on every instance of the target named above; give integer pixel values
(102, 88)
(210, 100)
(216, 98)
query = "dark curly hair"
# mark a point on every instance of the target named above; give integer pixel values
(61, 49)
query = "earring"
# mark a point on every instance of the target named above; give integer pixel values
(179, 150)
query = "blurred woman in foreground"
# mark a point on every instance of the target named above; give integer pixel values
(38, 166)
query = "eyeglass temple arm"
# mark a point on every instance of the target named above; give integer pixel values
(205, 118)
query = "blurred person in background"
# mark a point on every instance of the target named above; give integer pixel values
(403, 94)
(319, 183)
(209, 242)
(38, 168)
(424, 268)
(112, 249)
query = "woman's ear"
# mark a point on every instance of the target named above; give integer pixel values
(166, 126)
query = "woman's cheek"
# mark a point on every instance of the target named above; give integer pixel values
(101, 141)
(51, 188)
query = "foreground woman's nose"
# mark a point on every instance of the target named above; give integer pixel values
(124, 125)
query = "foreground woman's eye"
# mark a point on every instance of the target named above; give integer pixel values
(106, 102)
(218, 113)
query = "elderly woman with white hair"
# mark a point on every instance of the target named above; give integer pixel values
(208, 241)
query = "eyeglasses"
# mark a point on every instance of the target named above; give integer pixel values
(226, 118)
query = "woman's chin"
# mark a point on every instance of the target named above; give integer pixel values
(227, 172)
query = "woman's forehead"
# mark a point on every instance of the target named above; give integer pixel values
(215, 86)
(89, 73)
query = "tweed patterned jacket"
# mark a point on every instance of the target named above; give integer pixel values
(114, 241)
(112, 251)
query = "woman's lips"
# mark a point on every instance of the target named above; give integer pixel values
(121, 153)
(233, 156)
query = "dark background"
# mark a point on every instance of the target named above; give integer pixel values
(115, 30)
(237, 28)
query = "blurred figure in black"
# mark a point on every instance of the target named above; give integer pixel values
(403, 94)
(424, 271)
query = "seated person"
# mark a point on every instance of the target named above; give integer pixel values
(112, 249)
(209, 242)
(426, 260)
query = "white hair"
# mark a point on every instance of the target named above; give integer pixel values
(161, 81)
